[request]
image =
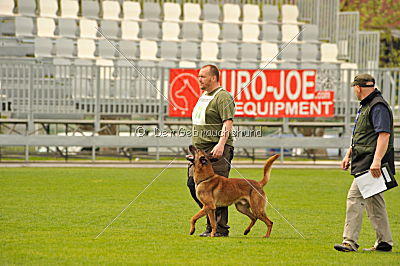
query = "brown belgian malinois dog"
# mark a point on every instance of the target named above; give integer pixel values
(217, 191)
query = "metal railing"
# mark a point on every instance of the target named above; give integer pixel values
(347, 39)
(33, 90)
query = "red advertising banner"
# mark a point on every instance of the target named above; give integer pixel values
(269, 93)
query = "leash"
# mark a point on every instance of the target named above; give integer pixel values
(283, 217)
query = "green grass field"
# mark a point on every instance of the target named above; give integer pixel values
(52, 216)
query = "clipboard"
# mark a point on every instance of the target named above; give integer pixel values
(370, 186)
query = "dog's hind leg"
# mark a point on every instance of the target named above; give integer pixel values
(245, 209)
(195, 217)
(257, 204)
(263, 217)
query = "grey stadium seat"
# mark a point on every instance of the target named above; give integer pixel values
(27, 7)
(67, 27)
(230, 32)
(211, 12)
(310, 33)
(189, 51)
(65, 47)
(309, 52)
(150, 30)
(169, 50)
(17, 26)
(129, 49)
(190, 31)
(290, 52)
(110, 28)
(270, 33)
(270, 13)
(106, 50)
(249, 52)
(229, 51)
(90, 9)
(151, 10)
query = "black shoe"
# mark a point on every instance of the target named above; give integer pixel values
(218, 234)
(344, 247)
(382, 247)
(206, 233)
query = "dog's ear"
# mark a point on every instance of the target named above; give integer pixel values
(190, 158)
(203, 160)
(193, 149)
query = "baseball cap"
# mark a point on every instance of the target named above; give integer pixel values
(362, 80)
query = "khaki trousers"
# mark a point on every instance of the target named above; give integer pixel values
(376, 210)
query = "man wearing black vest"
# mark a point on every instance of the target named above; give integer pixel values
(372, 146)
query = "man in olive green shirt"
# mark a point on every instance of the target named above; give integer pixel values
(212, 120)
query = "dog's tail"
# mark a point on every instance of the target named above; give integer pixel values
(267, 169)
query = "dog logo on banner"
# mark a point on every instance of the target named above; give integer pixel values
(184, 92)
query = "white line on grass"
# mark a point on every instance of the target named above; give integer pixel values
(135, 199)
(283, 217)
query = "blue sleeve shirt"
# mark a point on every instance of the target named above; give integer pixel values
(380, 118)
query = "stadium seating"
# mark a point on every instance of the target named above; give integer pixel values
(27, 7)
(131, 10)
(45, 27)
(290, 14)
(48, 8)
(192, 12)
(64, 48)
(230, 32)
(43, 47)
(172, 11)
(231, 13)
(90, 9)
(111, 10)
(69, 9)
(211, 12)
(6, 8)
(329, 53)
(270, 13)
(168, 33)
(129, 49)
(251, 13)
(67, 27)
(129, 30)
(250, 33)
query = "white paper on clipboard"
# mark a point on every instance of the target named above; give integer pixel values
(369, 185)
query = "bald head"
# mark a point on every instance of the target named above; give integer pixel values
(209, 78)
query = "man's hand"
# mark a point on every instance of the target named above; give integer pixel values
(346, 159)
(375, 169)
(345, 163)
(217, 151)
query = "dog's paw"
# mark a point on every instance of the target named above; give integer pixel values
(246, 231)
(192, 231)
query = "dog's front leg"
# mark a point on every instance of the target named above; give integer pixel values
(195, 217)
(213, 222)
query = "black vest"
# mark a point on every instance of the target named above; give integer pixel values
(365, 138)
